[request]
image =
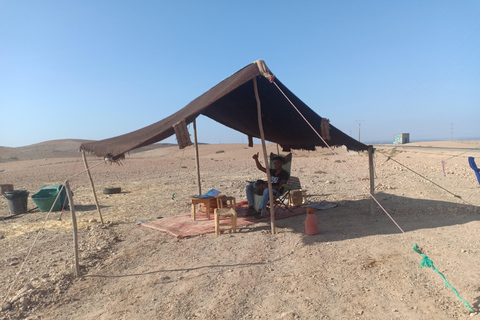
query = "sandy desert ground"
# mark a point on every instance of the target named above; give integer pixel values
(360, 266)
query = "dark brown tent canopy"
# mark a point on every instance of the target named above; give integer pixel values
(232, 103)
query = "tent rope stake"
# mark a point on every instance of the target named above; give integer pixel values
(427, 262)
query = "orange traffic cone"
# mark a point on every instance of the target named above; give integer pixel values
(311, 223)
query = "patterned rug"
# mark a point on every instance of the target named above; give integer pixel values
(183, 226)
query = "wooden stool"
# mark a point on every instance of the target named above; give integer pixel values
(225, 212)
(226, 202)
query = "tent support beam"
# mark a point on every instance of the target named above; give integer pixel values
(75, 233)
(264, 147)
(91, 183)
(371, 150)
(197, 161)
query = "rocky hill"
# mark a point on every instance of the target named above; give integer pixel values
(63, 148)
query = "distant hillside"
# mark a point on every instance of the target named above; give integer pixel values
(64, 148)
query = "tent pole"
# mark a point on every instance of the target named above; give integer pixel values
(371, 150)
(197, 161)
(91, 183)
(262, 135)
(74, 225)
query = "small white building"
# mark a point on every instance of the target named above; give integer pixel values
(401, 138)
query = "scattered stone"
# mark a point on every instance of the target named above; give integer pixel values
(29, 286)
(25, 301)
(6, 306)
(289, 315)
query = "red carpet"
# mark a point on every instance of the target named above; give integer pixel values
(183, 226)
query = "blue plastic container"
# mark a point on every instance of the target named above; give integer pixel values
(46, 196)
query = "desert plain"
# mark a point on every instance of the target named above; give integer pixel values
(360, 266)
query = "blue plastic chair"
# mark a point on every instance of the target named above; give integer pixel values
(471, 161)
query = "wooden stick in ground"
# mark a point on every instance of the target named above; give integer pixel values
(197, 161)
(93, 186)
(371, 150)
(264, 147)
(74, 223)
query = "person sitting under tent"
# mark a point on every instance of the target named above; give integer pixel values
(279, 177)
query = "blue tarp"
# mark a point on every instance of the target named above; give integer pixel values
(210, 194)
(473, 165)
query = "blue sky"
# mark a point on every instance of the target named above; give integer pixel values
(98, 69)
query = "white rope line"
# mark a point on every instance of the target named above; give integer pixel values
(39, 231)
(347, 167)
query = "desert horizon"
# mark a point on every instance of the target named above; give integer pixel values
(70, 147)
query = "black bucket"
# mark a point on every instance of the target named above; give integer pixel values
(17, 201)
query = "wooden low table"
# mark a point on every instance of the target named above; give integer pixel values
(204, 201)
(222, 202)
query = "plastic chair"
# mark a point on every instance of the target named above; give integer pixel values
(473, 165)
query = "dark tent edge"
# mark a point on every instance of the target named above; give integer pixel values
(232, 103)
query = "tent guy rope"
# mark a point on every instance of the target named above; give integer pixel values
(427, 262)
(66, 198)
(453, 194)
(444, 162)
(357, 180)
(416, 248)
(39, 231)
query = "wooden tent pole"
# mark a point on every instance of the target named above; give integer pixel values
(371, 150)
(74, 223)
(93, 186)
(197, 161)
(262, 135)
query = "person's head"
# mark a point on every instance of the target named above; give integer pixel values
(277, 162)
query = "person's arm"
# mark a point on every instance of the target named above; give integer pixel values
(280, 185)
(259, 165)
